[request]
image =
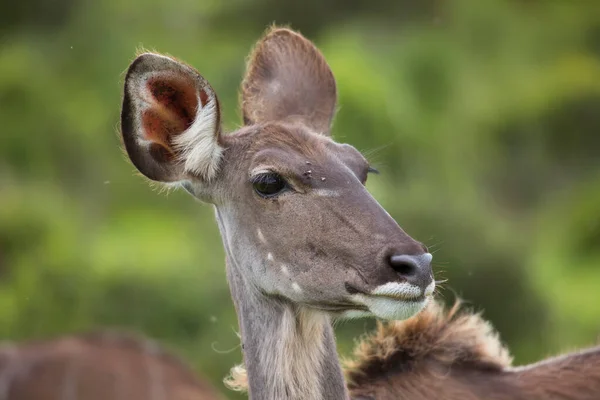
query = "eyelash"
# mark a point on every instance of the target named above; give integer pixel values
(262, 177)
(372, 170)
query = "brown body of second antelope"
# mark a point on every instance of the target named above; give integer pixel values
(435, 355)
(97, 366)
(305, 242)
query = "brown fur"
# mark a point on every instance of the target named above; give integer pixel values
(100, 365)
(435, 335)
(456, 355)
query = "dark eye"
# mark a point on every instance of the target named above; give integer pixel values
(370, 170)
(269, 185)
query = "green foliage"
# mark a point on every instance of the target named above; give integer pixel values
(483, 117)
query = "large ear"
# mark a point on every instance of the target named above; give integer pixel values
(288, 77)
(170, 120)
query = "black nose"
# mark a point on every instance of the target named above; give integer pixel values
(415, 270)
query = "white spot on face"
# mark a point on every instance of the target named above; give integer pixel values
(296, 287)
(260, 235)
(285, 270)
(326, 193)
(270, 257)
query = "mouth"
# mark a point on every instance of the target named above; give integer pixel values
(338, 307)
(400, 297)
(403, 292)
(392, 301)
(395, 300)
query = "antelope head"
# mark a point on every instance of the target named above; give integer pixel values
(296, 219)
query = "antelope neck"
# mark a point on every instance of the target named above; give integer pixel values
(289, 350)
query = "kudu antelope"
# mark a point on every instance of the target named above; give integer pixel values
(304, 239)
(97, 366)
(305, 242)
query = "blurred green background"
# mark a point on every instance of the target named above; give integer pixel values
(483, 116)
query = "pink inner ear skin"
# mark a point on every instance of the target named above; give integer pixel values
(173, 109)
(159, 126)
(177, 95)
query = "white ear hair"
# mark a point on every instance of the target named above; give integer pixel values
(198, 146)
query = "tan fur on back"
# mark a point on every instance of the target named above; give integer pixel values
(443, 337)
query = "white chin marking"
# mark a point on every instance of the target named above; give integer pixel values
(393, 301)
(391, 309)
(402, 290)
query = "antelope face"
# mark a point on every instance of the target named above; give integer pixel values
(303, 222)
(296, 219)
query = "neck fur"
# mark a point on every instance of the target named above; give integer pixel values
(289, 350)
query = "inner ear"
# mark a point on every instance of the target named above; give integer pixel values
(177, 97)
(170, 120)
(173, 107)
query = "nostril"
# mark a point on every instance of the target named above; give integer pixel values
(404, 265)
(413, 269)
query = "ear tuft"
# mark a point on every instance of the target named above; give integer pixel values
(288, 77)
(170, 120)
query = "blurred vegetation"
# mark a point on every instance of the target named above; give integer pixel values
(484, 118)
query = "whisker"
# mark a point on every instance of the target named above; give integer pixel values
(213, 344)
(372, 152)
